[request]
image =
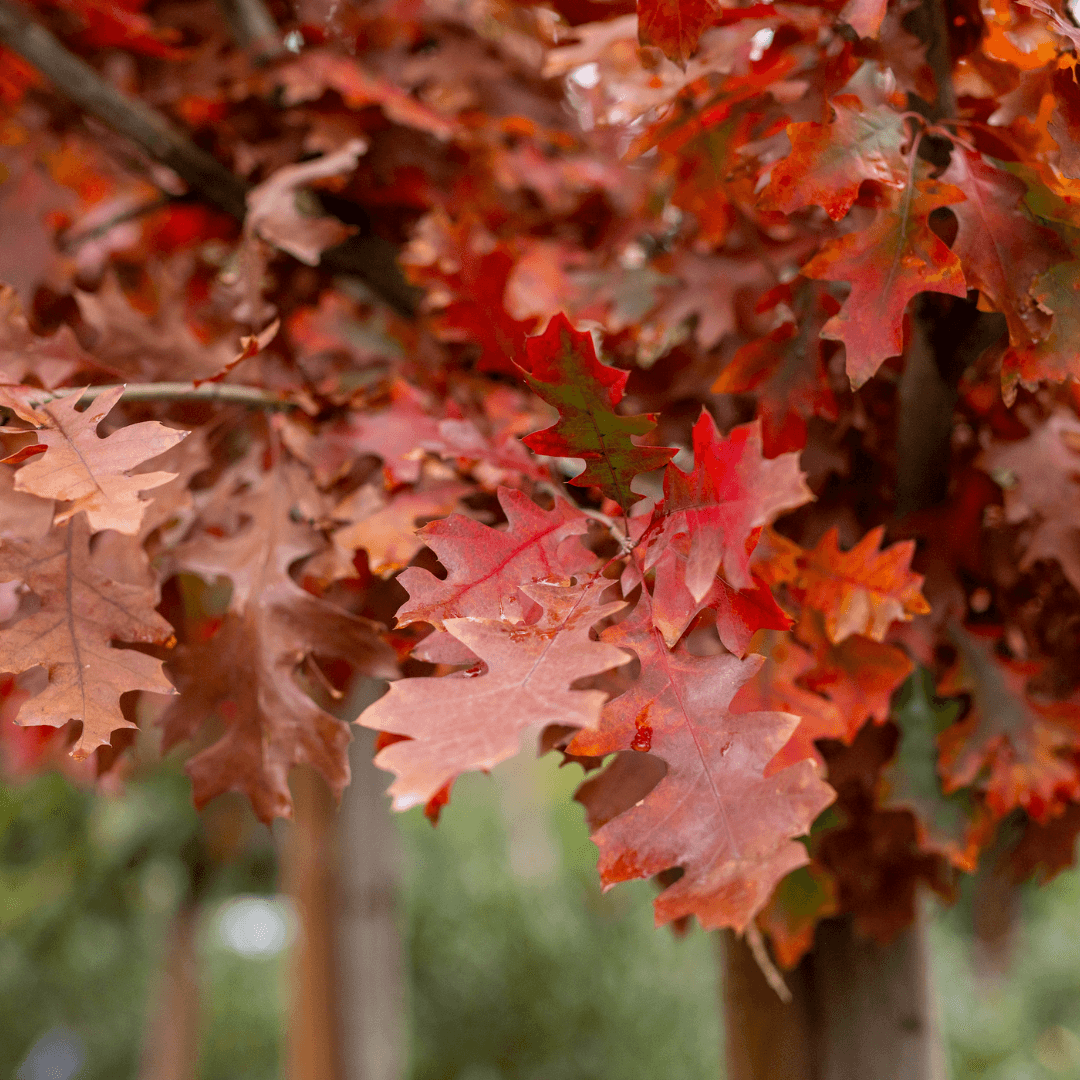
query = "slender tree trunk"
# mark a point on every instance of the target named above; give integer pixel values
(370, 982)
(312, 1040)
(860, 1011)
(342, 870)
(171, 1049)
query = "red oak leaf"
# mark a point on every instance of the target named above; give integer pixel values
(476, 718)
(800, 902)
(861, 591)
(1054, 358)
(563, 369)
(486, 566)
(1020, 752)
(715, 813)
(1046, 848)
(858, 675)
(887, 264)
(715, 511)
(828, 162)
(1039, 475)
(1064, 124)
(674, 26)
(1000, 248)
(468, 271)
(787, 371)
(949, 824)
(775, 687)
(740, 613)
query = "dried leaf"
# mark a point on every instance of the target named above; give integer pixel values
(72, 636)
(95, 475)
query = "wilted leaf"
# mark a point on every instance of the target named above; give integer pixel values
(274, 215)
(247, 677)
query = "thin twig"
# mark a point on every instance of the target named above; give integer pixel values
(69, 242)
(764, 961)
(226, 393)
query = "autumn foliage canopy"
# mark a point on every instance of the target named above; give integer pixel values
(689, 391)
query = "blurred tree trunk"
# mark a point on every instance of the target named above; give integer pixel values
(342, 871)
(171, 1049)
(309, 879)
(371, 985)
(860, 1011)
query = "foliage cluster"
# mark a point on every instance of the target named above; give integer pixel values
(827, 252)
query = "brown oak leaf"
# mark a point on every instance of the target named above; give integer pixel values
(94, 474)
(82, 614)
(247, 676)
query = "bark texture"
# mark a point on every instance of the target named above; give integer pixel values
(860, 1011)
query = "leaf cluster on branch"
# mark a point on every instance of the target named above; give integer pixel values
(690, 390)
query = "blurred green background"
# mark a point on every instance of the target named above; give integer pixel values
(517, 967)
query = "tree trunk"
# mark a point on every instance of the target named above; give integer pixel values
(342, 872)
(171, 1049)
(312, 1039)
(860, 1011)
(370, 983)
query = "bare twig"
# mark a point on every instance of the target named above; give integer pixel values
(253, 28)
(764, 961)
(226, 393)
(70, 242)
(369, 258)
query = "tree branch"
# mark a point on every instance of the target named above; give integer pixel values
(370, 258)
(226, 393)
(78, 81)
